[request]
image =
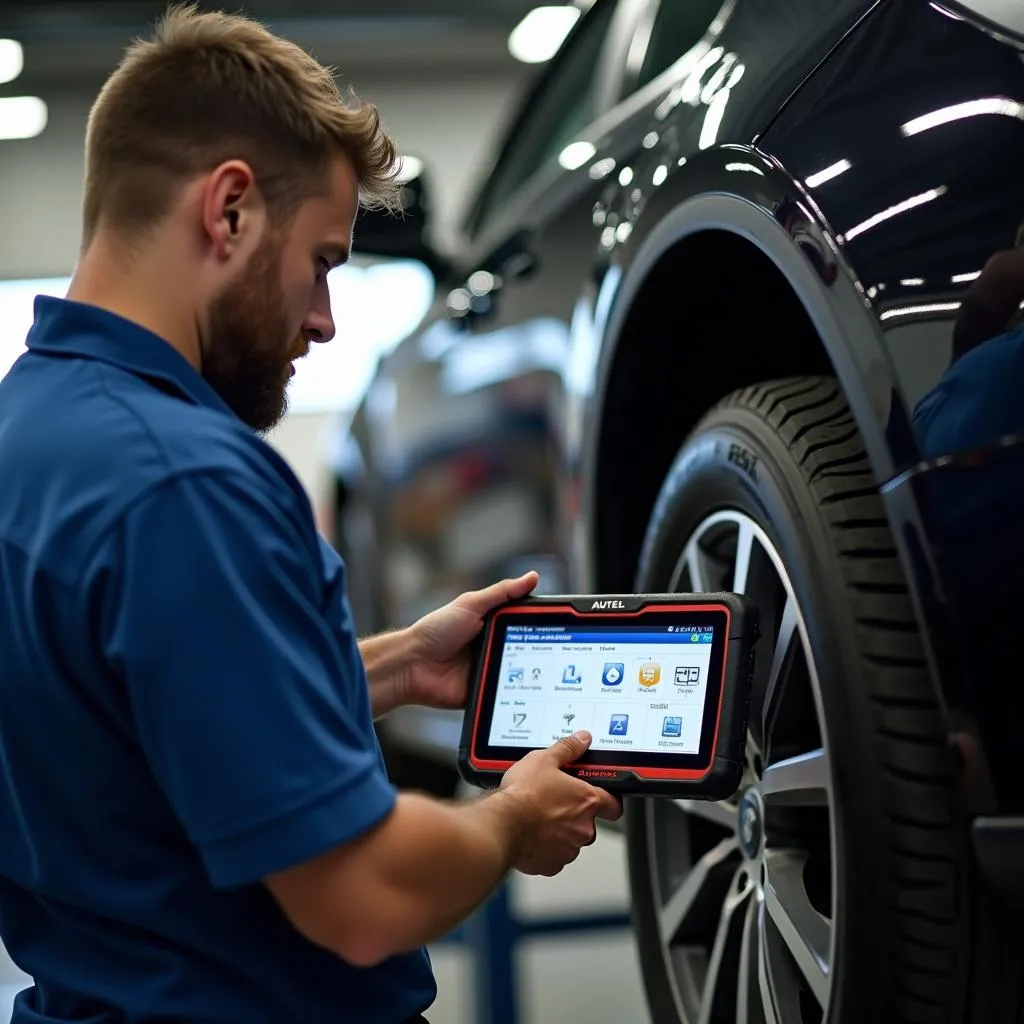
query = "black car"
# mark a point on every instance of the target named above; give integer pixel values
(737, 308)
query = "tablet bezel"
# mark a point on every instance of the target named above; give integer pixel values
(652, 765)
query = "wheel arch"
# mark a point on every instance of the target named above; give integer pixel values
(751, 262)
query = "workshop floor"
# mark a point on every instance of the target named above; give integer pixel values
(563, 978)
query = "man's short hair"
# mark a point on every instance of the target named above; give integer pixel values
(209, 87)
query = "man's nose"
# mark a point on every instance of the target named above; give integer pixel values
(319, 323)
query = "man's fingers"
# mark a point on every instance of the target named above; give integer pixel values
(522, 586)
(571, 748)
(610, 808)
(482, 601)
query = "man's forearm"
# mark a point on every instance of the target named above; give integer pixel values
(386, 658)
(461, 854)
(409, 881)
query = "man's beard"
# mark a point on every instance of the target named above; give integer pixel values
(248, 351)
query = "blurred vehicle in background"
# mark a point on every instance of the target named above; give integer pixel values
(737, 308)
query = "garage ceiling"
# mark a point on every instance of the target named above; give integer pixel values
(71, 41)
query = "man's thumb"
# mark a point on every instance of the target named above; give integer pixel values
(571, 748)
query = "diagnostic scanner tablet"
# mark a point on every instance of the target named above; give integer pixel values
(661, 681)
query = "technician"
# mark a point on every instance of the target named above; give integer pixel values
(195, 820)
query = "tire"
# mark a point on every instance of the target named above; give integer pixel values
(874, 843)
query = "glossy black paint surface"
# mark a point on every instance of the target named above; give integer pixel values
(811, 189)
(932, 116)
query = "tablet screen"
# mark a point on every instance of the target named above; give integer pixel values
(637, 688)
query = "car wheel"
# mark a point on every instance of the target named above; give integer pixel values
(833, 886)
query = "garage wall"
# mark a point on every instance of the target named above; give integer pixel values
(448, 123)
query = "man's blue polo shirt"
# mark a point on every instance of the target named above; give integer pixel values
(183, 709)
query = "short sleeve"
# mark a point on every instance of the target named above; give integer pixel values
(212, 620)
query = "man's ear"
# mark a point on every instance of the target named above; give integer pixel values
(232, 209)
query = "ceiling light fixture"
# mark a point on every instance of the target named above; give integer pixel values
(542, 31)
(713, 119)
(827, 173)
(998, 105)
(894, 211)
(22, 117)
(12, 60)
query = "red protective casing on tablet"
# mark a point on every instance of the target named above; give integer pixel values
(718, 773)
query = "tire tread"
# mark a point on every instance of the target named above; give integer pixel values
(924, 846)
(922, 885)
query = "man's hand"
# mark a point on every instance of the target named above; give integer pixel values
(429, 864)
(557, 811)
(437, 675)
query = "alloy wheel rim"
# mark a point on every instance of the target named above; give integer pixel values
(745, 889)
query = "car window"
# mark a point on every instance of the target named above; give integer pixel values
(564, 107)
(678, 26)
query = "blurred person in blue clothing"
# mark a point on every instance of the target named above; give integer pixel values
(970, 431)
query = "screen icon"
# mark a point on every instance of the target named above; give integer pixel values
(672, 726)
(650, 674)
(687, 675)
(515, 675)
(619, 725)
(613, 673)
(518, 718)
(536, 674)
(570, 676)
(569, 716)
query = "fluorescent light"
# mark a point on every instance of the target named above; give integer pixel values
(911, 282)
(713, 119)
(751, 168)
(576, 154)
(966, 278)
(717, 80)
(410, 167)
(923, 310)
(827, 173)
(12, 60)
(539, 35)
(22, 117)
(737, 74)
(692, 85)
(957, 112)
(893, 211)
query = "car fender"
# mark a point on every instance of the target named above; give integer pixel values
(740, 190)
(746, 192)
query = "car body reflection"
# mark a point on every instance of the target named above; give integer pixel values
(794, 189)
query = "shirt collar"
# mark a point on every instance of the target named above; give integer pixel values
(65, 328)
